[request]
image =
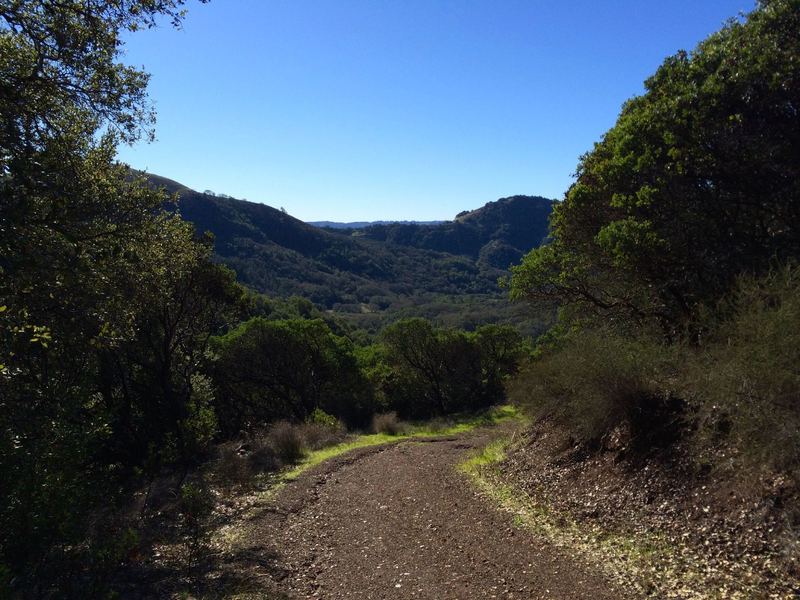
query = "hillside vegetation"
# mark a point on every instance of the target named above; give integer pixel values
(678, 244)
(447, 272)
(143, 371)
(674, 260)
(129, 356)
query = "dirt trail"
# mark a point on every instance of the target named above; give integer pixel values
(400, 522)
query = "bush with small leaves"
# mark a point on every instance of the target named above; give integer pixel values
(195, 504)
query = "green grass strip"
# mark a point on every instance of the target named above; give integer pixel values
(454, 425)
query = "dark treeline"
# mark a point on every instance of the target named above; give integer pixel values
(267, 370)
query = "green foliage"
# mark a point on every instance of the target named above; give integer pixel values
(271, 370)
(195, 505)
(60, 69)
(199, 426)
(320, 417)
(696, 183)
(99, 338)
(435, 371)
(502, 348)
(733, 396)
(694, 189)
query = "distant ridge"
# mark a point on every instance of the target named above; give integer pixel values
(374, 274)
(362, 224)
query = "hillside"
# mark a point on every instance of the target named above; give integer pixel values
(448, 271)
(363, 224)
(496, 235)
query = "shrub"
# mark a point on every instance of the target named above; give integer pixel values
(597, 381)
(387, 423)
(439, 424)
(196, 503)
(320, 417)
(318, 436)
(262, 457)
(200, 425)
(321, 429)
(287, 441)
(746, 381)
(232, 466)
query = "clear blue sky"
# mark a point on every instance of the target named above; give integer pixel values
(404, 109)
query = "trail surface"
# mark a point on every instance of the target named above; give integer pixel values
(400, 521)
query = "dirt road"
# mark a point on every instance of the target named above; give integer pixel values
(399, 521)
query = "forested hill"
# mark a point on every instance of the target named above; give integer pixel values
(447, 271)
(499, 233)
(363, 224)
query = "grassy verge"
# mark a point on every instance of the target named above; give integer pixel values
(455, 425)
(650, 564)
(268, 485)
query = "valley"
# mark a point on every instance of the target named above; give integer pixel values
(371, 276)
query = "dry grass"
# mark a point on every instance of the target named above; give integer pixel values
(319, 435)
(287, 441)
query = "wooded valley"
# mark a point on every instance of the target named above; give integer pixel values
(152, 333)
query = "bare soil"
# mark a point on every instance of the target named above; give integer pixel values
(400, 521)
(738, 533)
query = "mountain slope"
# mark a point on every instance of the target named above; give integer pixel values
(363, 224)
(499, 233)
(372, 277)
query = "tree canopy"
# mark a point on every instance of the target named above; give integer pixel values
(106, 300)
(696, 183)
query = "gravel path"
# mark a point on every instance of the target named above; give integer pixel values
(399, 521)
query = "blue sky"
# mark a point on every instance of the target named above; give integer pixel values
(406, 109)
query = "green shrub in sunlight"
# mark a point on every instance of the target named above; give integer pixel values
(596, 381)
(320, 417)
(694, 185)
